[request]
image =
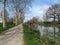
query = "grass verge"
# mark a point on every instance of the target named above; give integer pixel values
(31, 37)
(9, 25)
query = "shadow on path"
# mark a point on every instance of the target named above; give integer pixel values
(13, 36)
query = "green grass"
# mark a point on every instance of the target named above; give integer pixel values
(9, 25)
(31, 37)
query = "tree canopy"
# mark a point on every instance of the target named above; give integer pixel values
(53, 12)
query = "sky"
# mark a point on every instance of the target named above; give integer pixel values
(39, 7)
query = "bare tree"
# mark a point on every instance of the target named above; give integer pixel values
(33, 23)
(45, 18)
(19, 6)
(3, 12)
(54, 12)
(22, 15)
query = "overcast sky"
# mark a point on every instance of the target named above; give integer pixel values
(39, 7)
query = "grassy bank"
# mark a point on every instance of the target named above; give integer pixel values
(9, 25)
(31, 37)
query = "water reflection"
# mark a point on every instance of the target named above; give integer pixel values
(52, 32)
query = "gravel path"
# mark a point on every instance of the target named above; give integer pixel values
(13, 36)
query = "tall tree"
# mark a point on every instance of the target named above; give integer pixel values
(22, 15)
(19, 6)
(3, 12)
(54, 12)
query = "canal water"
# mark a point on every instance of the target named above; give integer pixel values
(51, 32)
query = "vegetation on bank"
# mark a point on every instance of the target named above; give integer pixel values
(52, 24)
(9, 25)
(31, 37)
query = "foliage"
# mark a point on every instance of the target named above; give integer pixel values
(31, 38)
(53, 12)
(9, 25)
(33, 23)
(49, 41)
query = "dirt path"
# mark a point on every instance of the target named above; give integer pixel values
(13, 36)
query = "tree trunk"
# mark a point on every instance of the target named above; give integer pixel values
(58, 18)
(3, 15)
(47, 32)
(54, 18)
(44, 43)
(16, 17)
(16, 20)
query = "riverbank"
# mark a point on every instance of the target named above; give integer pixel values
(50, 24)
(31, 37)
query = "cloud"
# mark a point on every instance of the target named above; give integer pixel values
(55, 1)
(36, 11)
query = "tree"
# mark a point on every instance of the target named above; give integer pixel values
(33, 23)
(45, 18)
(3, 12)
(16, 5)
(19, 5)
(21, 15)
(6, 16)
(53, 12)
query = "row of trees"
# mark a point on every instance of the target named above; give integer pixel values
(53, 12)
(32, 23)
(18, 6)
